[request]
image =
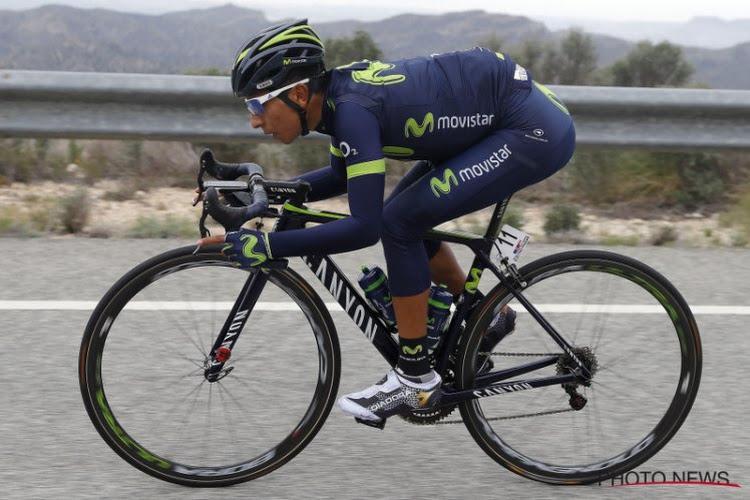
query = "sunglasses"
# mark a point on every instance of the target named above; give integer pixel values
(255, 104)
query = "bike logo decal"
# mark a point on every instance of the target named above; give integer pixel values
(443, 187)
(345, 295)
(419, 130)
(373, 74)
(476, 274)
(411, 350)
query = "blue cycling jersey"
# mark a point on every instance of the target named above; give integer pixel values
(430, 108)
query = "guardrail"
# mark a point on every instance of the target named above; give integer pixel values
(202, 108)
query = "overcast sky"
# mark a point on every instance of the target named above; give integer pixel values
(326, 10)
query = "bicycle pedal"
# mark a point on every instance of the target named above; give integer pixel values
(378, 425)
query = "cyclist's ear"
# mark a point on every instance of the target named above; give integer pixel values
(299, 94)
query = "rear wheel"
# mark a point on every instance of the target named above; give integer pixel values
(144, 353)
(631, 328)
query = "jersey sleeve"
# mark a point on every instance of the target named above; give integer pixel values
(357, 146)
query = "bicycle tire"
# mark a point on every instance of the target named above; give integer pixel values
(583, 435)
(126, 404)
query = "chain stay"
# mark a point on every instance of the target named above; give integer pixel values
(512, 417)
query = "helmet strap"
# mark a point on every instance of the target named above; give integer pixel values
(301, 112)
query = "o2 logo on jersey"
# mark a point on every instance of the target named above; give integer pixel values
(347, 150)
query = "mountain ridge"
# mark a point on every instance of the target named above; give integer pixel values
(57, 37)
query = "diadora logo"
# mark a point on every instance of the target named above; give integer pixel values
(414, 128)
(387, 401)
(443, 187)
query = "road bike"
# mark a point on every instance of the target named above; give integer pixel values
(200, 373)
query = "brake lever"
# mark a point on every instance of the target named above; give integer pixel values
(206, 156)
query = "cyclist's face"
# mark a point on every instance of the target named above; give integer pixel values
(278, 119)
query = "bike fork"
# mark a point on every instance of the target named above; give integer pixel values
(235, 322)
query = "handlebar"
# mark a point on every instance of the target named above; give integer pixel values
(248, 199)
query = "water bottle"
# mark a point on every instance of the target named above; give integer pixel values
(374, 283)
(438, 310)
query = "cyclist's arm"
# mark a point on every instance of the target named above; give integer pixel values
(365, 171)
(329, 181)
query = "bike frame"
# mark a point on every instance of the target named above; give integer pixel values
(382, 336)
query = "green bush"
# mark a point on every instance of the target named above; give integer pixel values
(562, 217)
(164, 227)
(664, 236)
(75, 209)
(514, 217)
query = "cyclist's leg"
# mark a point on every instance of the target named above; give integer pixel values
(494, 168)
(418, 170)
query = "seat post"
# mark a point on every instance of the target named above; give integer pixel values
(497, 217)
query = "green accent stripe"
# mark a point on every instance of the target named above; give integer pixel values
(439, 305)
(331, 104)
(397, 151)
(268, 246)
(336, 152)
(242, 55)
(376, 284)
(292, 34)
(458, 234)
(365, 168)
(500, 55)
(291, 208)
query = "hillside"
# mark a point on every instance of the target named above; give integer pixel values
(71, 39)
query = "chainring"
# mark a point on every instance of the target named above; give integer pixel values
(428, 417)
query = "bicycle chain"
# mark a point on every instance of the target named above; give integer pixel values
(518, 354)
(512, 417)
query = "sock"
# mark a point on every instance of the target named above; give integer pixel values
(413, 359)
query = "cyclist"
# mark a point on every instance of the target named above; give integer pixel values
(479, 128)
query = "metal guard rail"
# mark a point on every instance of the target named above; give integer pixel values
(202, 109)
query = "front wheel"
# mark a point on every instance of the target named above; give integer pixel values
(632, 330)
(144, 354)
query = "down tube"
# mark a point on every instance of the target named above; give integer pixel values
(339, 286)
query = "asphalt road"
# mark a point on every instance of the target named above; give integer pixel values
(51, 450)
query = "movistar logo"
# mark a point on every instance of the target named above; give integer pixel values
(412, 350)
(443, 187)
(416, 130)
(287, 62)
(248, 249)
(373, 74)
(412, 127)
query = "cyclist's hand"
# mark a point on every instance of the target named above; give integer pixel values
(246, 248)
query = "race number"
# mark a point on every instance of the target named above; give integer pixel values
(509, 245)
